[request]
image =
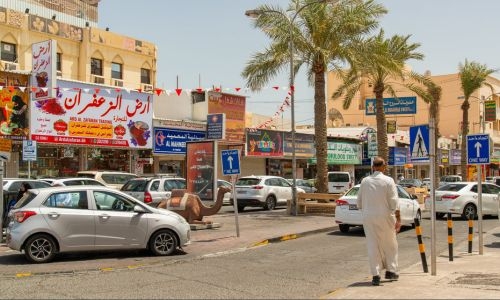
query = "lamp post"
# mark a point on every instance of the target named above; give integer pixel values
(255, 13)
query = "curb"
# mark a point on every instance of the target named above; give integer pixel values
(288, 237)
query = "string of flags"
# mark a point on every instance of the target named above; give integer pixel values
(157, 91)
(286, 103)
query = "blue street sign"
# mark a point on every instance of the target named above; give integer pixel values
(230, 162)
(478, 149)
(419, 143)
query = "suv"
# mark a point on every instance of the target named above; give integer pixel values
(449, 178)
(263, 191)
(151, 190)
(113, 179)
(339, 182)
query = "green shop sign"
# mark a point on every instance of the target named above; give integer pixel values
(340, 153)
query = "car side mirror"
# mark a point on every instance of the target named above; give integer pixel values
(139, 209)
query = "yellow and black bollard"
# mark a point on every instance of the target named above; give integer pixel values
(471, 228)
(421, 246)
(450, 237)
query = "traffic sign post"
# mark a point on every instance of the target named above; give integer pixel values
(231, 166)
(478, 153)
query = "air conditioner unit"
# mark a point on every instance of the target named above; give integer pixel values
(59, 74)
(117, 82)
(97, 79)
(148, 88)
(10, 66)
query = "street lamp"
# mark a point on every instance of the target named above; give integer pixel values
(255, 13)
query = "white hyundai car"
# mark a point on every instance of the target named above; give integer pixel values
(348, 215)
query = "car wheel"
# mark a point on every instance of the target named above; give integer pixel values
(270, 203)
(163, 242)
(418, 217)
(344, 228)
(241, 208)
(40, 248)
(470, 211)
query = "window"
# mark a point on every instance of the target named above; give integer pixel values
(116, 71)
(96, 66)
(75, 200)
(145, 76)
(112, 201)
(58, 61)
(8, 52)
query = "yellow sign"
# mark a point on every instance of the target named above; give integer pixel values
(5, 145)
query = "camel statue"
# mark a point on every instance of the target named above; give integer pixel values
(190, 206)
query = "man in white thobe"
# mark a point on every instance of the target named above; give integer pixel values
(378, 201)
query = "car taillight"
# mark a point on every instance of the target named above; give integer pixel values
(449, 197)
(340, 202)
(257, 187)
(147, 197)
(21, 216)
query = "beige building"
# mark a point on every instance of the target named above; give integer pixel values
(85, 55)
(450, 113)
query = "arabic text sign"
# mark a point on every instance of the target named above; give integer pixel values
(43, 75)
(173, 141)
(29, 150)
(85, 114)
(478, 149)
(393, 106)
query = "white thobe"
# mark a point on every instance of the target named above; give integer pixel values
(378, 201)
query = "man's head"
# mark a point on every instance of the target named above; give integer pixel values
(379, 164)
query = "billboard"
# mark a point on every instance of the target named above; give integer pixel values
(82, 114)
(233, 106)
(393, 106)
(43, 71)
(200, 169)
(173, 141)
(267, 143)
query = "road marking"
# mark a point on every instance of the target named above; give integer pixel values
(289, 237)
(107, 269)
(19, 275)
(261, 243)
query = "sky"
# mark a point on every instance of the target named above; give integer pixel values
(207, 43)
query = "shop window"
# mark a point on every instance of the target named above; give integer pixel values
(145, 76)
(116, 71)
(96, 66)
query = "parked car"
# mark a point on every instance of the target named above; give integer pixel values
(339, 182)
(449, 179)
(303, 184)
(348, 215)
(227, 196)
(426, 182)
(114, 179)
(151, 190)
(96, 218)
(410, 182)
(76, 181)
(267, 192)
(490, 179)
(461, 198)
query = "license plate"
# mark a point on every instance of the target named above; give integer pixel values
(353, 207)
(241, 192)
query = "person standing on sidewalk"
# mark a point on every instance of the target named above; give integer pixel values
(378, 202)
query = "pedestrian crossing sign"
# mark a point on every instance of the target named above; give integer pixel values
(419, 143)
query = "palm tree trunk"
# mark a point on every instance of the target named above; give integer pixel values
(465, 131)
(383, 150)
(320, 131)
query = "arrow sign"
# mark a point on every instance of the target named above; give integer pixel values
(230, 162)
(478, 149)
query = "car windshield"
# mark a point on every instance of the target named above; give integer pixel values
(353, 191)
(452, 187)
(135, 186)
(247, 181)
(338, 177)
(117, 178)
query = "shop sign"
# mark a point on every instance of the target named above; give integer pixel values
(14, 108)
(216, 126)
(234, 108)
(444, 156)
(397, 156)
(455, 157)
(393, 106)
(372, 145)
(391, 126)
(304, 145)
(173, 141)
(200, 171)
(490, 111)
(86, 114)
(43, 73)
(340, 153)
(264, 143)
(29, 150)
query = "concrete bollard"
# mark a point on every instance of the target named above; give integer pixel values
(450, 237)
(470, 236)
(421, 246)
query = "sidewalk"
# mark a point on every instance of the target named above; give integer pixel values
(468, 276)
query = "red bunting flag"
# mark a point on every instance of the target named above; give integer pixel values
(276, 87)
(33, 89)
(178, 91)
(199, 90)
(97, 91)
(217, 89)
(292, 88)
(139, 90)
(118, 90)
(158, 91)
(237, 89)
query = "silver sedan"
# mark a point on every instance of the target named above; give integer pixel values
(90, 218)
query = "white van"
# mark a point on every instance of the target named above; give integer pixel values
(339, 182)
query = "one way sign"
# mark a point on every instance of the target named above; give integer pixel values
(478, 149)
(230, 162)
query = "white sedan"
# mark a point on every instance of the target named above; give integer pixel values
(462, 198)
(347, 213)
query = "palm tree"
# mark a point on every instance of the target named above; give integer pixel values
(472, 75)
(382, 62)
(321, 36)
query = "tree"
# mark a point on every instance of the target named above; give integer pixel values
(382, 62)
(322, 38)
(472, 75)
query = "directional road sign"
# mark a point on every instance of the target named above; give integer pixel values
(230, 162)
(419, 143)
(478, 149)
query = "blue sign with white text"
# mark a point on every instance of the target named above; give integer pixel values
(230, 162)
(393, 106)
(173, 141)
(478, 149)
